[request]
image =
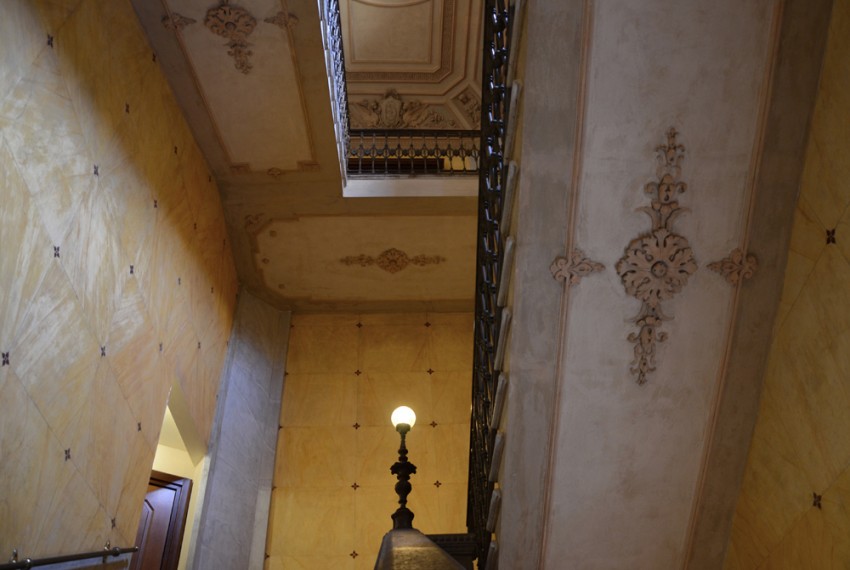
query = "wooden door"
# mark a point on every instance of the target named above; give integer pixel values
(162, 523)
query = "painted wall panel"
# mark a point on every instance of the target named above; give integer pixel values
(112, 241)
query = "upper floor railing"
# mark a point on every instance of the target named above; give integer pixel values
(335, 64)
(409, 152)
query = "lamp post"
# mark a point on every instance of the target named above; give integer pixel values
(403, 419)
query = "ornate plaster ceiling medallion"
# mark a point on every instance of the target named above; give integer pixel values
(736, 267)
(657, 265)
(175, 21)
(390, 112)
(392, 260)
(571, 269)
(234, 24)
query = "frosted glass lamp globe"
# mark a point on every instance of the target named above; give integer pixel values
(403, 415)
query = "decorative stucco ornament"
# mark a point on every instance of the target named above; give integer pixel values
(391, 112)
(392, 260)
(175, 21)
(234, 24)
(571, 269)
(657, 265)
(736, 267)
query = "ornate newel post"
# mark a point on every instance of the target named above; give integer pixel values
(403, 419)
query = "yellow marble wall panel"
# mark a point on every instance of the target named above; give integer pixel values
(55, 13)
(450, 344)
(373, 505)
(44, 135)
(84, 371)
(315, 457)
(819, 537)
(309, 522)
(319, 400)
(45, 504)
(139, 366)
(343, 382)
(83, 43)
(322, 348)
(394, 349)
(379, 393)
(92, 257)
(26, 249)
(451, 396)
(20, 25)
(801, 443)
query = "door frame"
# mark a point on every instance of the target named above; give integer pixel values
(182, 488)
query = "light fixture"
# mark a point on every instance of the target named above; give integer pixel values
(403, 415)
(403, 419)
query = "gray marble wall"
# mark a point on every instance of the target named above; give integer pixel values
(231, 528)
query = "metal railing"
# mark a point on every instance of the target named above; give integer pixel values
(489, 265)
(411, 152)
(402, 153)
(104, 554)
(335, 64)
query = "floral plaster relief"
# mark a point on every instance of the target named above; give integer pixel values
(234, 24)
(657, 265)
(392, 260)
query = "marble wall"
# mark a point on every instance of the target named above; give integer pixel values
(333, 493)
(794, 506)
(116, 276)
(234, 517)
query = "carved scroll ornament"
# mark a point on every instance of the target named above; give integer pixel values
(657, 265)
(571, 269)
(391, 112)
(176, 21)
(736, 267)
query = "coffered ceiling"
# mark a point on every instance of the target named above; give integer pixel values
(251, 79)
(413, 63)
